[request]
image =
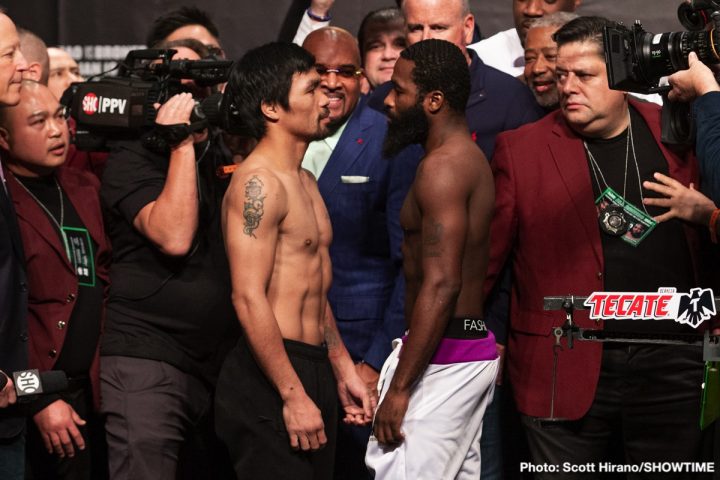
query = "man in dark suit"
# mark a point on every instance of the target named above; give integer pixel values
(363, 191)
(13, 289)
(553, 180)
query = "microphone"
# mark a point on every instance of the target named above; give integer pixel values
(3, 380)
(33, 382)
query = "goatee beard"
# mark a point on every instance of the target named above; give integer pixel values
(407, 128)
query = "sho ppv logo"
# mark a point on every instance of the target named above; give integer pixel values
(666, 304)
(92, 104)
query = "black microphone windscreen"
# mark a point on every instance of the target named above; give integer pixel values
(54, 381)
(33, 382)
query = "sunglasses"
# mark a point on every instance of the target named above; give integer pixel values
(346, 71)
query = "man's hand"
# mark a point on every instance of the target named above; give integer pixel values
(370, 376)
(683, 202)
(389, 417)
(304, 423)
(694, 82)
(357, 397)
(321, 7)
(7, 394)
(58, 427)
(177, 110)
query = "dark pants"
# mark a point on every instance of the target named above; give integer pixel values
(491, 442)
(249, 416)
(646, 409)
(12, 457)
(350, 453)
(155, 413)
(87, 464)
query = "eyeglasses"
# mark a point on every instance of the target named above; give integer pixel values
(345, 71)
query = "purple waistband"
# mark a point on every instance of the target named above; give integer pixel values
(454, 350)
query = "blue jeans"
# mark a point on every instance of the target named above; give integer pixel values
(491, 444)
(12, 457)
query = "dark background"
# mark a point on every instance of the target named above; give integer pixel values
(247, 23)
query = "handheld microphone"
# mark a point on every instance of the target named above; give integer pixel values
(33, 382)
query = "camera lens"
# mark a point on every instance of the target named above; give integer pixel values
(666, 53)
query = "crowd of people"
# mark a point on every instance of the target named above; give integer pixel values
(363, 295)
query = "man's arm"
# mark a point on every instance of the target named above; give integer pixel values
(442, 201)
(684, 203)
(171, 220)
(253, 208)
(319, 9)
(357, 400)
(694, 82)
(401, 176)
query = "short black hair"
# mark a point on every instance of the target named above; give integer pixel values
(263, 75)
(440, 65)
(384, 17)
(583, 29)
(164, 25)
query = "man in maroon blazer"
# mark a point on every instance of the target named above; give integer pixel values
(553, 179)
(67, 257)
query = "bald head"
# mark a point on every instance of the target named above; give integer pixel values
(449, 20)
(337, 59)
(64, 70)
(35, 52)
(337, 39)
(34, 132)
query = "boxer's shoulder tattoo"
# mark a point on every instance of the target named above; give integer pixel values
(253, 208)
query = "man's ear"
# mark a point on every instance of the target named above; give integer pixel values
(33, 72)
(434, 101)
(4, 139)
(270, 110)
(469, 28)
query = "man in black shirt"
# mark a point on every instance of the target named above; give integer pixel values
(170, 318)
(569, 192)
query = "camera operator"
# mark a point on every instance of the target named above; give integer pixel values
(698, 83)
(170, 316)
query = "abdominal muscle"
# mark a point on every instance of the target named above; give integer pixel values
(298, 295)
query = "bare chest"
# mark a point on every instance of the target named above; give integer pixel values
(306, 226)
